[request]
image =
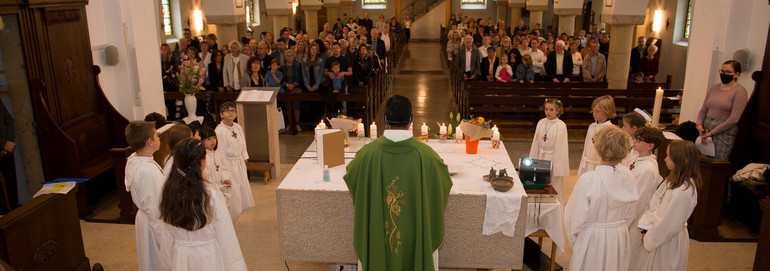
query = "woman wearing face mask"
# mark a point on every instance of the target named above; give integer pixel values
(722, 109)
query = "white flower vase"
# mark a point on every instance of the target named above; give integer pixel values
(191, 104)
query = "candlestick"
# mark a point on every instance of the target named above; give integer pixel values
(373, 131)
(656, 107)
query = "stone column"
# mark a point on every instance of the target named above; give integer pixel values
(448, 13)
(345, 8)
(536, 8)
(398, 10)
(311, 20)
(567, 10)
(621, 18)
(515, 6)
(332, 13)
(502, 10)
(224, 18)
(279, 12)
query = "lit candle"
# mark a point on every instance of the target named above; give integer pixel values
(322, 124)
(656, 107)
(373, 131)
(495, 135)
(424, 130)
(459, 134)
(442, 129)
(494, 128)
(360, 131)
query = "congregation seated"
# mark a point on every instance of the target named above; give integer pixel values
(649, 63)
(489, 66)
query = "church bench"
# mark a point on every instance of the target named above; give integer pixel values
(523, 107)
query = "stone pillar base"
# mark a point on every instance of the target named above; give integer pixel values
(619, 56)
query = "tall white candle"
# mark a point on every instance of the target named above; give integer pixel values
(459, 133)
(424, 130)
(360, 131)
(442, 129)
(373, 131)
(495, 135)
(656, 107)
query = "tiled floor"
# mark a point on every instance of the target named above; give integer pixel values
(114, 246)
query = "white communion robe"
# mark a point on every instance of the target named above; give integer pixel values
(231, 143)
(169, 162)
(216, 173)
(647, 176)
(597, 216)
(667, 239)
(213, 247)
(145, 179)
(590, 158)
(550, 143)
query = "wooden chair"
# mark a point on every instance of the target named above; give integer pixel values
(539, 234)
(263, 167)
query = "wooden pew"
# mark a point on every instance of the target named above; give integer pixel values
(44, 234)
(525, 104)
(118, 156)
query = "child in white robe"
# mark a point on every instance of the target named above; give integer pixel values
(200, 231)
(603, 109)
(644, 167)
(215, 172)
(232, 146)
(144, 179)
(173, 136)
(631, 123)
(664, 225)
(601, 207)
(550, 143)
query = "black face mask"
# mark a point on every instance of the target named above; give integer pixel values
(726, 78)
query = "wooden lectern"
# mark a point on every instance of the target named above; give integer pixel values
(258, 115)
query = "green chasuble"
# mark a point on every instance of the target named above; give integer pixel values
(400, 191)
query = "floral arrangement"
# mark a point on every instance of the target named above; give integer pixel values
(344, 123)
(476, 128)
(454, 122)
(190, 76)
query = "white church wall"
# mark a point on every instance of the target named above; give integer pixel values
(133, 86)
(726, 27)
(427, 26)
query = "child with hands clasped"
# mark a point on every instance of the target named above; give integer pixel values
(644, 167)
(603, 109)
(664, 225)
(601, 207)
(200, 232)
(215, 171)
(550, 143)
(232, 147)
(274, 77)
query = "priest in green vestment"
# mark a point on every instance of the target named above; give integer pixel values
(399, 188)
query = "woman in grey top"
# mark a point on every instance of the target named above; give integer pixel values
(722, 109)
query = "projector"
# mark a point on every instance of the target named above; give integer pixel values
(534, 173)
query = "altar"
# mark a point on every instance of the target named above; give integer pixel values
(315, 218)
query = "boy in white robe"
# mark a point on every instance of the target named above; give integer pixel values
(603, 109)
(644, 167)
(144, 179)
(550, 143)
(631, 123)
(601, 208)
(664, 225)
(232, 145)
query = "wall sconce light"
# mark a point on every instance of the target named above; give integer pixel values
(198, 19)
(294, 8)
(657, 20)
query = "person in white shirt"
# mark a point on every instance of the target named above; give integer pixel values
(232, 144)
(603, 110)
(538, 58)
(234, 74)
(664, 225)
(577, 57)
(551, 143)
(644, 167)
(484, 45)
(601, 208)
